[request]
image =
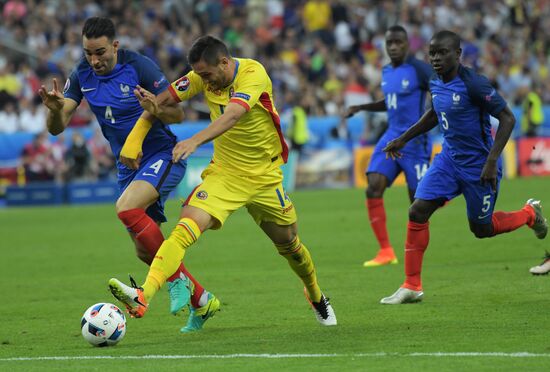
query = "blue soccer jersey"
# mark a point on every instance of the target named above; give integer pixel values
(463, 106)
(405, 88)
(112, 100)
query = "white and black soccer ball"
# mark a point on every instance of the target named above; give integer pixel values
(103, 324)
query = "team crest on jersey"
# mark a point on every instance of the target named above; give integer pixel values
(125, 89)
(456, 98)
(202, 195)
(67, 86)
(405, 84)
(183, 84)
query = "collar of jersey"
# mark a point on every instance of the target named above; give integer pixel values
(236, 70)
(113, 72)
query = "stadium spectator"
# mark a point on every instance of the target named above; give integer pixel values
(9, 119)
(77, 158)
(532, 115)
(102, 160)
(32, 116)
(37, 159)
(298, 131)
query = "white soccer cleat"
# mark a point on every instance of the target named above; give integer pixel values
(543, 268)
(540, 227)
(323, 310)
(403, 296)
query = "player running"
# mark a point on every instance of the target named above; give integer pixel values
(245, 170)
(469, 163)
(404, 83)
(107, 77)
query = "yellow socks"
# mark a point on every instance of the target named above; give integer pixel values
(300, 261)
(169, 256)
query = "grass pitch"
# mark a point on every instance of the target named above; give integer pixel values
(482, 309)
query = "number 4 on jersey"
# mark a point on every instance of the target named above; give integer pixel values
(109, 114)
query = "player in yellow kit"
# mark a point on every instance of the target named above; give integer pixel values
(245, 171)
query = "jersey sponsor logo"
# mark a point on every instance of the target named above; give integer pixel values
(183, 84)
(242, 96)
(67, 86)
(288, 209)
(202, 195)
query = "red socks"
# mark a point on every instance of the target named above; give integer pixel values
(504, 222)
(418, 236)
(148, 233)
(377, 217)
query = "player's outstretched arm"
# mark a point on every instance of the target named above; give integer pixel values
(373, 106)
(505, 127)
(226, 121)
(164, 107)
(423, 125)
(60, 109)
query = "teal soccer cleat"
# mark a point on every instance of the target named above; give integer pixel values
(198, 316)
(179, 291)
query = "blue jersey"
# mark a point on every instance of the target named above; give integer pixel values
(405, 88)
(112, 100)
(463, 106)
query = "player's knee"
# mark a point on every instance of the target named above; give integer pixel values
(289, 247)
(374, 191)
(482, 232)
(418, 214)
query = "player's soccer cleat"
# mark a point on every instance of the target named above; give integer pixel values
(198, 316)
(323, 310)
(543, 268)
(132, 297)
(403, 296)
(540, 227)
(382, 259)
(179, 291)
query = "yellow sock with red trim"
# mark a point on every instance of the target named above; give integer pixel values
(169, 256)
(300, 261)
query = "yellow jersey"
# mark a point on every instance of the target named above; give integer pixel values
(255, 145)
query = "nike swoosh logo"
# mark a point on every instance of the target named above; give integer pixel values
(205, 316)
(137, 301)
(149, 174)
(482, 217)
(83, 90)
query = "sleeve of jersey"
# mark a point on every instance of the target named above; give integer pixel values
(150, 75)
(487, 97)
(72, 88)
(250, 85)
(186, 87)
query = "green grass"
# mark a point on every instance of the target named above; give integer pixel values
(479, 296)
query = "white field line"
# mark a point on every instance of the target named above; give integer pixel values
(284, 356)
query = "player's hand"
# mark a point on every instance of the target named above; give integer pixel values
(184, 149)
(147, 100)
(53, 99)
(352, 110)
(129, 162)
(392, 148)
(489, 174)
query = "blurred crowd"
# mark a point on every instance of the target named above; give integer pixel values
(327, 52)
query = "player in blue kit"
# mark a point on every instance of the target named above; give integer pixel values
(405, 84)
(469, 163)
(113, 80)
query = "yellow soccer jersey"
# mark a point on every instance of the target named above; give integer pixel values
(255, 145)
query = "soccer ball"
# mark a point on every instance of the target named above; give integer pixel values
(103, 324)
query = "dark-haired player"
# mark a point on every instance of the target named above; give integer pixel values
(469, 163)
(405, 84)
(245, 170)
(110, 78)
